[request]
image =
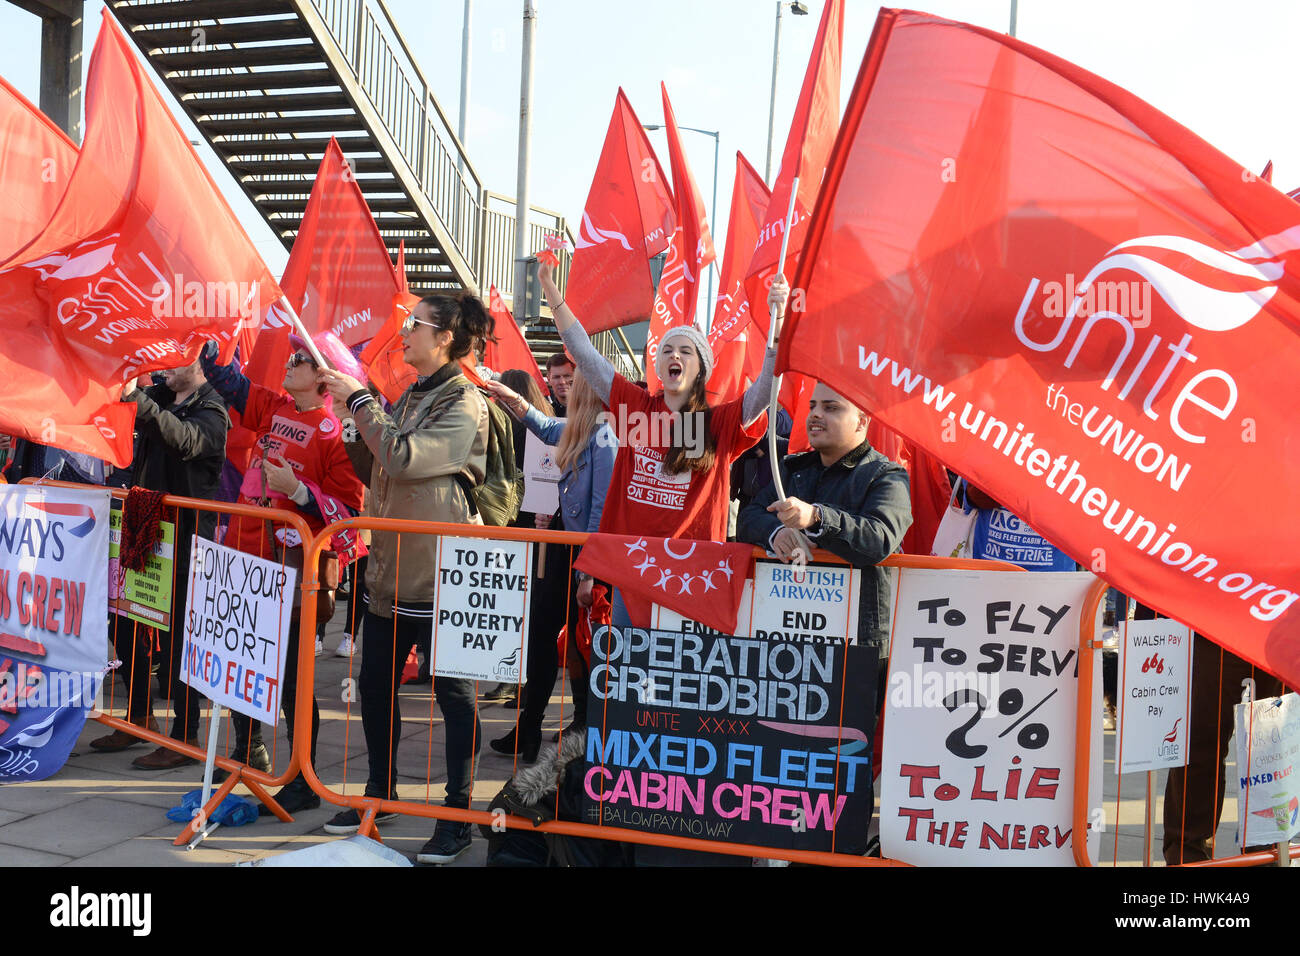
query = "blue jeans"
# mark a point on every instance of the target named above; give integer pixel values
(383, 654)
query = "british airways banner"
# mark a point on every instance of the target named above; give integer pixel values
(53, 622)
(1078, 304)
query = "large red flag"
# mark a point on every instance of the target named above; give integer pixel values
(139, 263)
(36, 161)
(734, 356)
(339, 277)
(510, 350)
(807, 149)
(1091, 313)
(626, 221)
(689, 253)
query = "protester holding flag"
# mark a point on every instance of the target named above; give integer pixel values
(180, 449)
(422, 462)
(673, 481)
(300, 466)
(845, 497)
(585, 456)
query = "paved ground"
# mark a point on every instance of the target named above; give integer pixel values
(99, 811)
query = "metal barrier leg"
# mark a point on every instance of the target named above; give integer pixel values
(1151, 828)
(202, 818)
(265, 797)
(368, 827)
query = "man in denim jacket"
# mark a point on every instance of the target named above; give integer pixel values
(846, 498)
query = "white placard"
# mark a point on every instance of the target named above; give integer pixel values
(541, 478)
(480, 621)
(666, 619)
(1154, 705)
(53, 623)
(979, 739)
(816, 604)
(237, 620)
(54, 577)
(1267, 735)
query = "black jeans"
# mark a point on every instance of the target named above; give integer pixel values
(554, 605)
(355, 609)
(383, 654)
(135, 645)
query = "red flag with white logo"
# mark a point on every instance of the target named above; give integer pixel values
(141, 261)
(510, 350)
(627, 220)
(734, 356)
(1087, 310)
(702, 580)
(807, 149)
(339, 277)
(689, 253)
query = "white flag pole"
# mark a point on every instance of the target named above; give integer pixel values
(774, 461)
(302, 332)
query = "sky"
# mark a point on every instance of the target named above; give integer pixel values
(1225, 70)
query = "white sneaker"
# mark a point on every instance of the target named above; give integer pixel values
(320, 647)
(347, 647)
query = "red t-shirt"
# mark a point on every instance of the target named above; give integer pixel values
(641, 498)
(311, 442)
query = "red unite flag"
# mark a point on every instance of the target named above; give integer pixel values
(807, 149)
(510, 350)
(339, 277)
(1090, 312)
(139, 264)
(689, 253)
(737, 359)
(627, 221)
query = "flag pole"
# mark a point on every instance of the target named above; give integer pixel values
(771, 343)
(302, 333)
(773, 460)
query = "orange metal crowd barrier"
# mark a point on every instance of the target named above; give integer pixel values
(368, 807)
(257, 781)
(1271, 856)
(299, 759)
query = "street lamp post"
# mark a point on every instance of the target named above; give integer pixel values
(708, 318)
(799, 10)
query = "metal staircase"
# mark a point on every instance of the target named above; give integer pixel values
(267, 82)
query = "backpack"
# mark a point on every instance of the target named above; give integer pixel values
(498, 498)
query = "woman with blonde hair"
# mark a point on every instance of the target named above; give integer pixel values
(585, 448)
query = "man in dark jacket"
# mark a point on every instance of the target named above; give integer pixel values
(845, 497)
(180, 447)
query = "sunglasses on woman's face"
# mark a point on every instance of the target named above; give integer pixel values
(409, 325)
(297, 358)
